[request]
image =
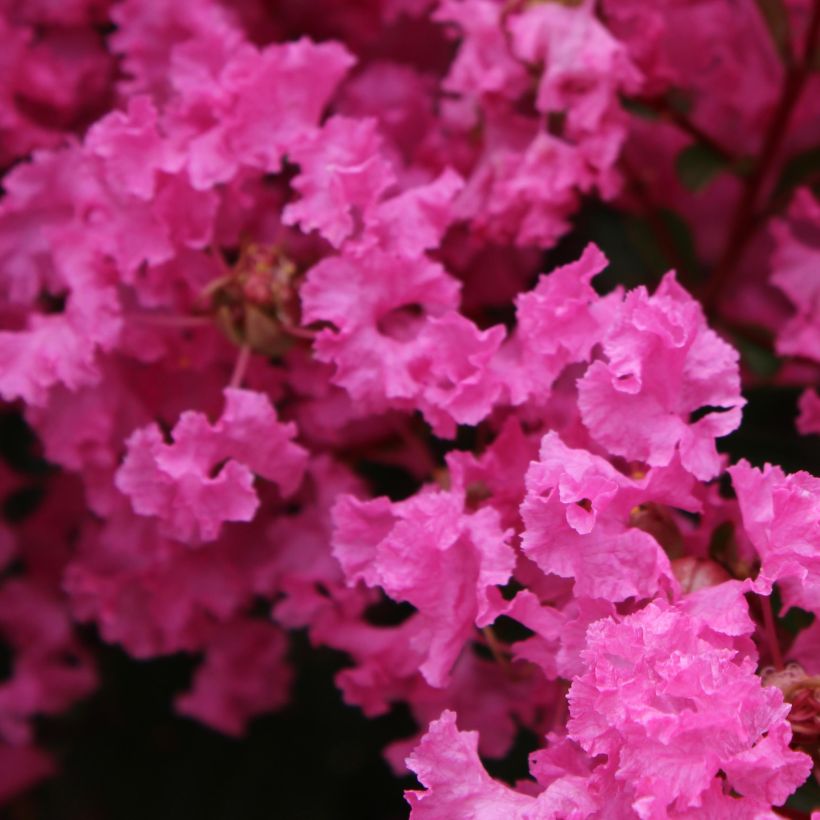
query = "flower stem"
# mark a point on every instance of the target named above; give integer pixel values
(770, 632)
(240, 368)
(740, 231)
(664, 110)
(495, 647)
(298, 332)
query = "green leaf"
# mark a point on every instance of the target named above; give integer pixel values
(664, 243)
(759, 359)
(797, 171)
(680, 232)
(638, 108)
(806, 798)
(697, 165)
(777, 21)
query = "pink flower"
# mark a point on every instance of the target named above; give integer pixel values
(244, 674)
(397, 343)
(147, 593)
(324, 182)
(584, 70)
(429, 552)
(447, 763)
(670, 384)
(794, 266)
(132, 147)
(343, 176)
(525, 186)
(271, 100)
(808, 421)
(672, 704)
(62, 348)
(206, 475)
(55, 75)
(400, 97)
(483, 64)
(559, 321)
(415, 220)
(450, 363)
(156, 42)
(560, 633)
(577, 517)
(781, 514)
(497, 476)
(50, 671)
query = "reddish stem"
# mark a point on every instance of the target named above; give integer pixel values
(559, 717)
(298, 332)
(664, 110)
(741, 231)
(770, 632)
(240, 367)
(495, 647)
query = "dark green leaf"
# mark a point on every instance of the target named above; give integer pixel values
(697, 165)
(743, 166)
(640, 109)
(681, 234)
(759, 359)
(798, 170)
(806, 798)
(664, 243)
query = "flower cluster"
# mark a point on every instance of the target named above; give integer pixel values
(244, 253)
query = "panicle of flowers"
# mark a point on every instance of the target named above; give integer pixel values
(244, 254)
